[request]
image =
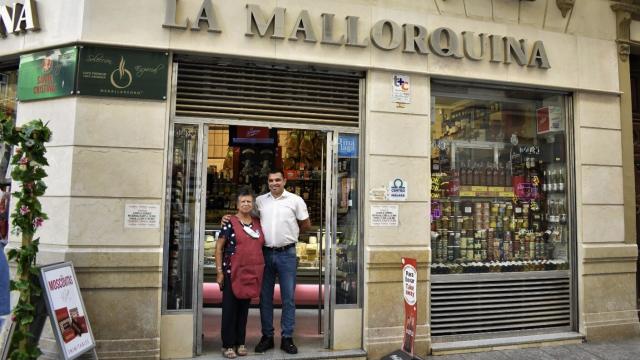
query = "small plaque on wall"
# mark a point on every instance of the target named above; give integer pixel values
(384, 215)
(141, 216)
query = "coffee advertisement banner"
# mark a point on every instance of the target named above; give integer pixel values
(47, 74)
(114, 72)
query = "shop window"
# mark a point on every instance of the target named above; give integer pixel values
(499, 181)
(8, 86)
(182, 218)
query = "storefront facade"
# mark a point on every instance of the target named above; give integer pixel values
(513, 109)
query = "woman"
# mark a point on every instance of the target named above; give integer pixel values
(239, 272)
(4, 239)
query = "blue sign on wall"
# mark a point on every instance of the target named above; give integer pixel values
(348, 145)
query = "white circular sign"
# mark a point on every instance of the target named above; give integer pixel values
(409, 282)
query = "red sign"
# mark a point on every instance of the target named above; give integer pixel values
(409, 290)
(542, 115)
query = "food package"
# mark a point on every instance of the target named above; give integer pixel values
(306, 150)
(293, 145)
(227, 166)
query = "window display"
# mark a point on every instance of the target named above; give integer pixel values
(499, 181)
(8, 85)
(182, 219)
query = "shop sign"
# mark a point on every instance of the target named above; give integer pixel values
(20, 18)
(67, 313)
(397, 190)
(385, 34)
(348, 146)
(401, 92)
(142, 216)
(47, 74)
(113, 72)
(384, 215)
(409, 292)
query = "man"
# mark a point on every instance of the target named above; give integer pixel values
(282, 216)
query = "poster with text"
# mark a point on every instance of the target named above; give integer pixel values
(47, 74)
(409, 286)
(68, 316)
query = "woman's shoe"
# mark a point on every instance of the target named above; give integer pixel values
(229, 353)
(242, 350)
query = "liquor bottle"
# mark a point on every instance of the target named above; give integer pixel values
(463, 174)
(507, 175)
(495, 181)
(469, 174)
(553, 181)
(560, 180)
(488, 175)
(545, 180)
(562, 213)
(501, 176)
(476, 174)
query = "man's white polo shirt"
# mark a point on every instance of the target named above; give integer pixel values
(279, 217)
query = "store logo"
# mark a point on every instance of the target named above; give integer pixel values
(121, 78)
(19, 18)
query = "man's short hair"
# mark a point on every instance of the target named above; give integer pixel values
(276, 171)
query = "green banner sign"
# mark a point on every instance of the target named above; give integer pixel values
(138, 74)
(47, 74)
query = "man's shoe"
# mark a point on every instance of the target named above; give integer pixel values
(287, 345)
(266, 343)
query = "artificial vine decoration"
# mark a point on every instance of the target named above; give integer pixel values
(28, 162)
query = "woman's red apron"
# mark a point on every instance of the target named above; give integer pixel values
(247, 264)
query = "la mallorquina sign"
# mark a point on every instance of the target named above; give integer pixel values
(19, 18)
(384, 34)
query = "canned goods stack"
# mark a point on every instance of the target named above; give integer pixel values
(486, 231)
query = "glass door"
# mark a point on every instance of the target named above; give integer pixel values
(342, 246)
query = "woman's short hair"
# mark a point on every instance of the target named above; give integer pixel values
(245, 191)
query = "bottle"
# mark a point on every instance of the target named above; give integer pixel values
(545, 180)
(553, 184)
(488, 175)
(507, 175)
(476, 174)
(501, 176)
(563, 213)
(469, 174)
(560, 180)
(495, 175)
(463, 174)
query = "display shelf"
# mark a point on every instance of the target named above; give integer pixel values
(498, 266)
(486, 191)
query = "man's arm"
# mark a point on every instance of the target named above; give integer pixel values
(305, 224)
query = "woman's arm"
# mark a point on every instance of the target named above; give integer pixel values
(219, 259)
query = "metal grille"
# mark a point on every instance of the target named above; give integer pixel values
(478, 303)
(254, 91)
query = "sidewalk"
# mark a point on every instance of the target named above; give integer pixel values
(614, 350)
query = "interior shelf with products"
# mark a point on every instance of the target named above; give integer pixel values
(497, 207)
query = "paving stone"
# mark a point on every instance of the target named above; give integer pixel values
(611, 351)
(489, 355)
(526, 354)
(569, 352)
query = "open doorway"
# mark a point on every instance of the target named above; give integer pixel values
(210, 163)
(242, 156)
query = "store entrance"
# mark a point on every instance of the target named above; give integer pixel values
(234, 156)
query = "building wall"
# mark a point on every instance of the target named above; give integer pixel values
(106, 153)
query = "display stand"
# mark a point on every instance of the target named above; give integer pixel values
(69, 320)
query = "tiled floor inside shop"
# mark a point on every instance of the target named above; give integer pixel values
(306, 337)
